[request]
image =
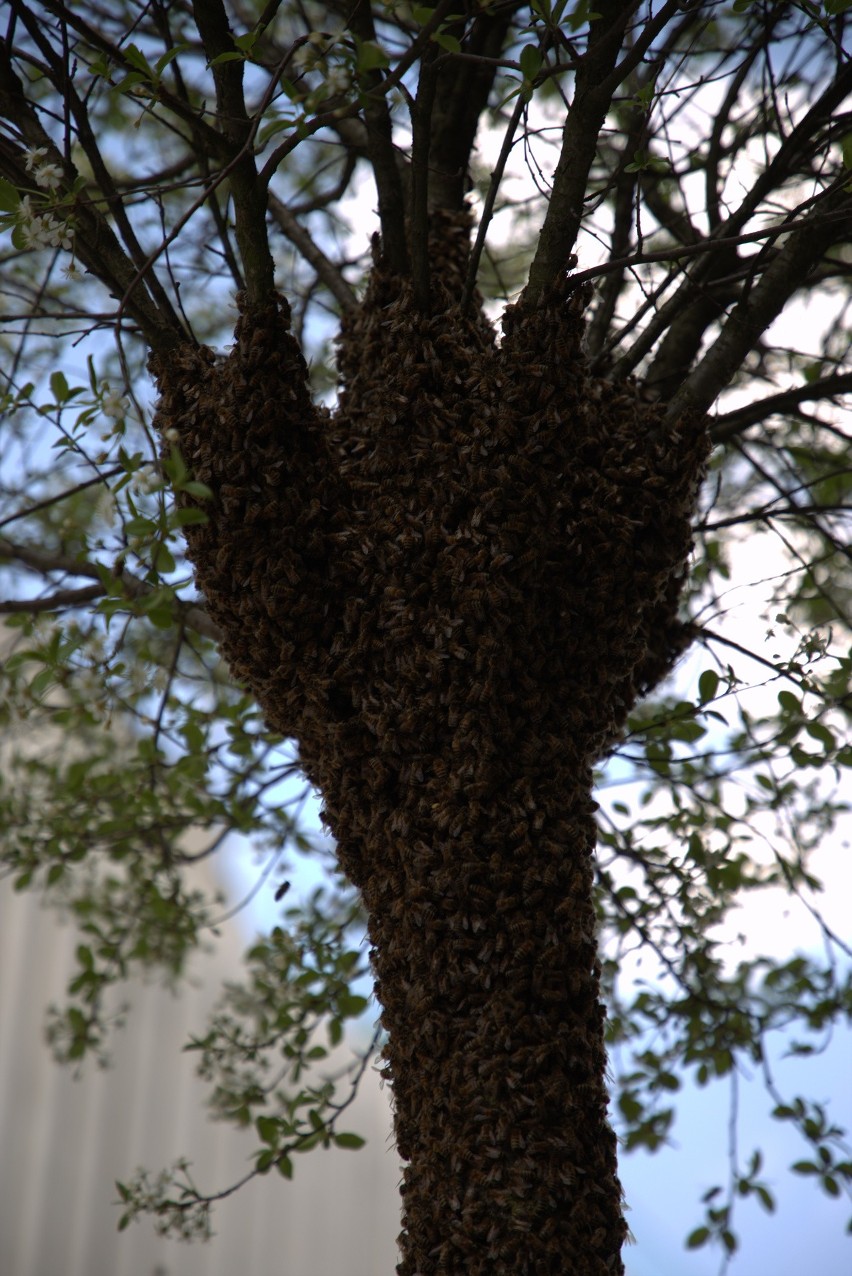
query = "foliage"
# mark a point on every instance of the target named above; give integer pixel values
(703, 181)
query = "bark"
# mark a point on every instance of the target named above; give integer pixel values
(450, 591)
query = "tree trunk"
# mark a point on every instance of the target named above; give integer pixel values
(450, 591)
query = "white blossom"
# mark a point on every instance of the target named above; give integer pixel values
(337, 80)
(143, 482)
(106, 507)
(33, 156)
(58, 233)
(33, 233)
(305, 58)
(48, 176)
(113, 404)
(43, 230)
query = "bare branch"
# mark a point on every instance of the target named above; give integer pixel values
(464, 85)
(598, 76)
(729, 424)
(44, 562)
(490, 200)
(803, 249)
(421, 128)
(61, 600)
(65, 87)
(95, 241)
(380, 148)
(312, 253)
(248, 191)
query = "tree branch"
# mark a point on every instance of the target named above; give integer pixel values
(96, 244)
(380, 148)
(421, 128)
(622, 220)
(249, 193)
(326, 270)
(65, 87)
(598, 76)
(757, 308)
(61, 600)
(490, 200)
(69, 15)
(730, 424)
(464, 85)
(43, 561)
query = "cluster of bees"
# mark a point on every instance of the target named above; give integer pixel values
(451, 590)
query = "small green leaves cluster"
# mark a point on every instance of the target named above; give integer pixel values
(171, 1198)
(704, 780)
(274, 1056)
(286, 1017)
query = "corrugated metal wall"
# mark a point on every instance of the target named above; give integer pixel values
(64, 1142)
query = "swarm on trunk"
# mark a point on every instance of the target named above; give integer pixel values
(450, 591)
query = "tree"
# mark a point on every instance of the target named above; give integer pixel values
(453, 587)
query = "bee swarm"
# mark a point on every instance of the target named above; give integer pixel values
(451, 590)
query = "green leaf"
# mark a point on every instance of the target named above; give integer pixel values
(707, 685)
(10, 198)
(246, 42)
(766, 1198)
(530, 61)
(200, 491)
(630, 1105)
(789, 702)
(349, 1005)
(188, 517)
(370, 57)
(268, 1129)
(349, 1141)
(134, 55)
(167, 57)
(140, 527)
(700, 1236)
(163, 558)
(819, 731)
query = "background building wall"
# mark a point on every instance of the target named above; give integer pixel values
(64, 1142)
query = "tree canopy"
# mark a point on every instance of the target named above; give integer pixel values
(683, 168)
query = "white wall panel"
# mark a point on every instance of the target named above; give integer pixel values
(63, 1141)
